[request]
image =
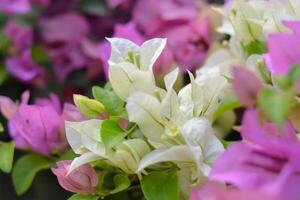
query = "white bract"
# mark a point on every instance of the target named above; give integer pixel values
(255, 19)
(84, 138)
(177, 126)
(130, 66)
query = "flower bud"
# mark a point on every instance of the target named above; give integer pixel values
(82, 180)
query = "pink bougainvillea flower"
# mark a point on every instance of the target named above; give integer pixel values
(39, 127)
(75, 28)
(15, 6)
(21, 36)
(82, 180)
(35, 126)
(267, 160)
(64, 45)
(23, 67)
(153, 15)
(189, 43)
(284, 49)
(215, 191)
(128, 31)
(246, 86)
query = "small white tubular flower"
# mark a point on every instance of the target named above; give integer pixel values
(130, 65)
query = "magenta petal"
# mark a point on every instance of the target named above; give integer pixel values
(21, 36)
(233, 168)
(75, 28)
(15, 6)
(284, 51)
(294, 25)
(23, 67)
(216, 191)
(128, 31)
(82, 180)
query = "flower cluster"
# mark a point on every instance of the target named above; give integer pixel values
(156, 131)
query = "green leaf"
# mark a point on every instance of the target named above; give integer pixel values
(276, 104)
(68, 155)
(88, 107)
(229, 102)
(93, 7)
(6, 156)
(255, 47)
(83, 197)
(112, 103)
(226, 144)
(288, 81)
(111, 133)
(121, 182)
(161, 186)
(3, 74)
(1, 128)
(25, 170)
(4, 43)
(39, 55)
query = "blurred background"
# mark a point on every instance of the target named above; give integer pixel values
(59, 46)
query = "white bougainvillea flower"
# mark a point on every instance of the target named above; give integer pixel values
(196, 157)
(202, 147)
(201, 97)
(130, 65)
(84, 138)
(254, 20)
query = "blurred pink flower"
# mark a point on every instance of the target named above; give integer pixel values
(39, 127)
(152, 16)
(64, 44)
(82, 180)
(246, 86)
(21, 36)
(267, 160)
(284, 49)
(215, 191)
(189, 43)
(15, 6)
(23, 67)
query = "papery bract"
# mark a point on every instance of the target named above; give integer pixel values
(284, 50)
(189, 42)
(36, 127)
(64, 45)
(266, 160)
(15, 6)
(23, 67)
(21, 36)
(82, 180)
(217, 191)
(152, 15)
